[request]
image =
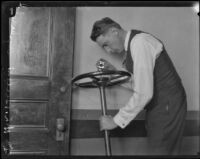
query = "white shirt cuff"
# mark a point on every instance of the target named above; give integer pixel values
(120, 121)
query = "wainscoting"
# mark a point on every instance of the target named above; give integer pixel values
(86, 139)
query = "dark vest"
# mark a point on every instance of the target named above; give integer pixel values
(166, 79)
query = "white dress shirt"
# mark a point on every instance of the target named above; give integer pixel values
(144, 50)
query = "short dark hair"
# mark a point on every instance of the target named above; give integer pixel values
(101, 26)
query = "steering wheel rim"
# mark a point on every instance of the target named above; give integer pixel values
(107, 78)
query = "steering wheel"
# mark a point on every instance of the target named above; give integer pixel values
(101, 78)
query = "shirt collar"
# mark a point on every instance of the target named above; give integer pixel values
(126, 40)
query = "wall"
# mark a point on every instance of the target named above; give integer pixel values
(177, 27)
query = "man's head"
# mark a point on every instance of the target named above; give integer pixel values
(109, 35)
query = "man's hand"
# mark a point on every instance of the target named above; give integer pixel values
(104, 65)
(107, 123)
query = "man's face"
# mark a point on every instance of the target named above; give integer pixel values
(111, 42)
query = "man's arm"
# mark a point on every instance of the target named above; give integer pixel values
(144, 50)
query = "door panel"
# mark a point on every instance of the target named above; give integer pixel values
(24, 88)
(28, 114)
(30, 38)
(35, 141)
(41, 60)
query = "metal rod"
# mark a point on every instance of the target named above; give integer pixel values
(106, 133)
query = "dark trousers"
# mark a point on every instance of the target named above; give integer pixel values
(165, 125)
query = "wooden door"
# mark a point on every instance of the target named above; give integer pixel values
(41, 60)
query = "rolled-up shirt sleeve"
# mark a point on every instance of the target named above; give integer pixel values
(144, 50)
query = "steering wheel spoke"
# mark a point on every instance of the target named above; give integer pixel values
(86, 84)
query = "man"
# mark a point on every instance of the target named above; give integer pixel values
(157, 87)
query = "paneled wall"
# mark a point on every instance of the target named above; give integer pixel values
(178, 28)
